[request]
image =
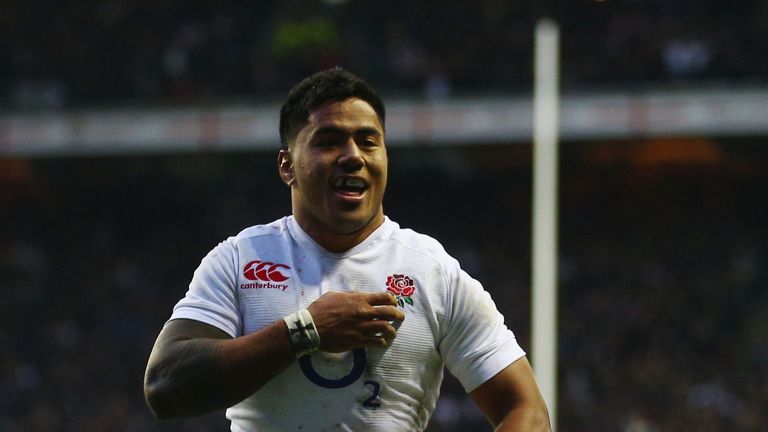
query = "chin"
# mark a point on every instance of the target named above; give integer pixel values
(348, 224)
(348, 227)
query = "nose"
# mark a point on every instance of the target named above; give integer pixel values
(351, 157)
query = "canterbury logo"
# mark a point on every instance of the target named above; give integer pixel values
(265, 271)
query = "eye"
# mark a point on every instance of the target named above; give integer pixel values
(368, 142)
(326, 142)
(326, 139)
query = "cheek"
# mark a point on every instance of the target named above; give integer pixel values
(377, 165)
(307, 173)
(307, 185)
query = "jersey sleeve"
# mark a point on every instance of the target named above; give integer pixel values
(212, 294)
(476, 344)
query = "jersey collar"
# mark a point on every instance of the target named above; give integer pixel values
(305, 240)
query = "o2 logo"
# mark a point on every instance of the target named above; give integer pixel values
(358, 367)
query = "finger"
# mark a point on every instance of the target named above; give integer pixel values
(384, 298)
(387, 313)
(379, 329)
(375, 342)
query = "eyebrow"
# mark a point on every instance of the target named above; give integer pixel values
(327, 130)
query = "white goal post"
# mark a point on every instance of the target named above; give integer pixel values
(544, 212)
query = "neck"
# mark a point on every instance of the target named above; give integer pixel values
(334, 241)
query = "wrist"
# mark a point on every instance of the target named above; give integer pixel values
(302, 331)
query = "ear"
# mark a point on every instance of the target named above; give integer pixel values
(285, 167)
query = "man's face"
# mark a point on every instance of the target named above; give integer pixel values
(337, 169)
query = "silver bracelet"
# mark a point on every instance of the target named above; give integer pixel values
(304, 336)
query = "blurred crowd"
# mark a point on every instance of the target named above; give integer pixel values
(662, 277)
(663, 268)
(61, 54)
(663, 302)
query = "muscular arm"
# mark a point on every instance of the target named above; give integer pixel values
(196, 368)
(511, 400)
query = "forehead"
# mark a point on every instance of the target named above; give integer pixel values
(349, 114)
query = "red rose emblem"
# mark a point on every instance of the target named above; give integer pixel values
(393, 287)
(402, 287)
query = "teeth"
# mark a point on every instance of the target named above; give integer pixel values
(349, 182)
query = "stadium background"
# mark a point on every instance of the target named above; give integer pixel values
(663, 243)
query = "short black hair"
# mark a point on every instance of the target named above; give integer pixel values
(335, 84)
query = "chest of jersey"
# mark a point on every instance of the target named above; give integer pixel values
(365, 382)
(277, 282)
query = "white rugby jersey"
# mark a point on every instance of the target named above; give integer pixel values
(269, 271)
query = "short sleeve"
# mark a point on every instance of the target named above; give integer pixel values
(476, 345)
(212, 294)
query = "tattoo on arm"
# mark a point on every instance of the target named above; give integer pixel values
(182, 374)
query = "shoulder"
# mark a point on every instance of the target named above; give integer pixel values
(231, 246)
(272, 229)
(265, 234)
(423, 246)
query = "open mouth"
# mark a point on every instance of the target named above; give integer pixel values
(350, 187)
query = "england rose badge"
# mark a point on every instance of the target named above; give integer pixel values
(402, 287)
